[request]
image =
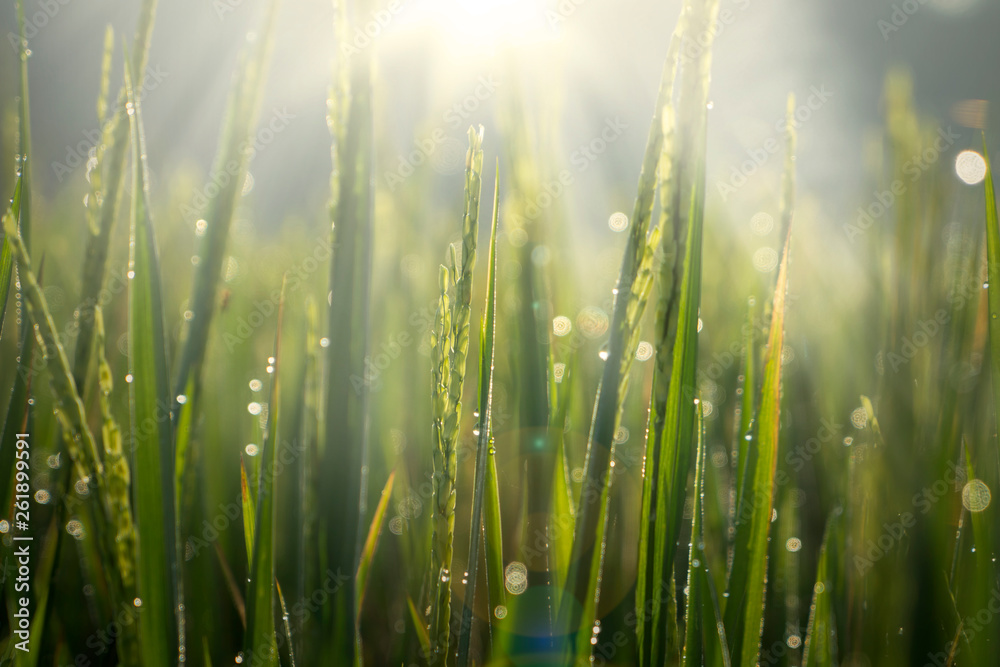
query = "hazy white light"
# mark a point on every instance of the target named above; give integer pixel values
(516, 578)
(487, 24)
(593, 322)
(559, 371)
(976, 496)
(765, 259)
(761, 223)
(970, 167)
(562, 325)
(618, 222)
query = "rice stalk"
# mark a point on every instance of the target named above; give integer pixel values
(107, 181)
(680, 175)
(821, 632)
(7, 254)
(161, 629)
(579, 606)
(485, 497)
(693, 639)
(116, 466)
(72, 416)
(993, 280)
(24, 128)
(371, 542)
(748, 579)
(16, 414)
(345, 418)
(235, 147)
(261, 638)
(443, 502)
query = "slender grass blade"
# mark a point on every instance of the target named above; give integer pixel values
(482, 501)
(261, 638)
(152, 426)
(371, 542)
(821, 633)
(697, 564)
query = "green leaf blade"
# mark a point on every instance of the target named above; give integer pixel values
(152, 427)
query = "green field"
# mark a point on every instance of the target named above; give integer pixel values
(456, 418)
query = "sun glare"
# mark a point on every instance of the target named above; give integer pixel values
(487, 24)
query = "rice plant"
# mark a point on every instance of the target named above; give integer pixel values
(660, 448)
